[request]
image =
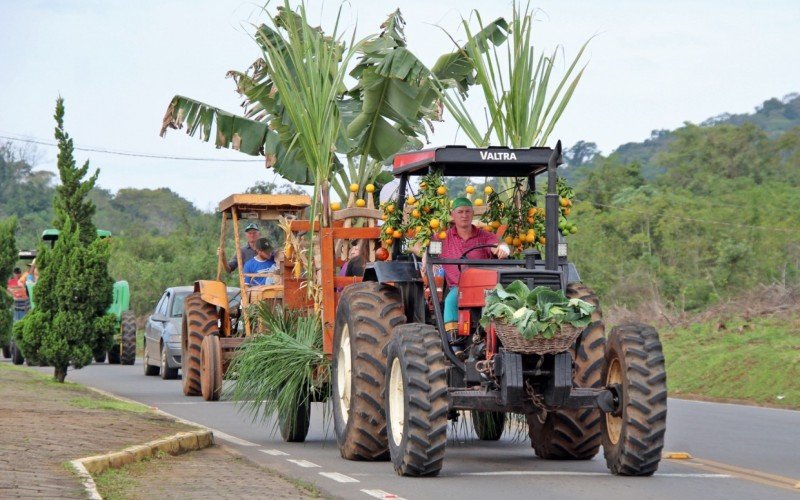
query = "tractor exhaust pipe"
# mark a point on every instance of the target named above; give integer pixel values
(551, 211)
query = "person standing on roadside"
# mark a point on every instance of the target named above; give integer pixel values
(248, 250)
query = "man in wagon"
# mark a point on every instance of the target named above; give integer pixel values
(248, 250)
(461, 237)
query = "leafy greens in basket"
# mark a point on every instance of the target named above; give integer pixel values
(540, 311)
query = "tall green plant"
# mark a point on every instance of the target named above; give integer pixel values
(74, 290)
(281, 365)
(8, 256)
(521, 106)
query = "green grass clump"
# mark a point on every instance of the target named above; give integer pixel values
(756, 360)
(107, 404)
(281, 367)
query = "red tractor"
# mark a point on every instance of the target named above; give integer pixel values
(397, 378)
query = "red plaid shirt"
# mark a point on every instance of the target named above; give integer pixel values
(453, 246)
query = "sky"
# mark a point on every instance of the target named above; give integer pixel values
(651, 65)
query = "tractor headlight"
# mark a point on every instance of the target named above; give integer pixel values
(562, 248)
(435, 248)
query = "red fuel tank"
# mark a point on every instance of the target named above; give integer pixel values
(473, 284)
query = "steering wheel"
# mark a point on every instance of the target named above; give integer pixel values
(485, 245)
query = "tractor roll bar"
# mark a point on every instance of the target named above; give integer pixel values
(551, 211)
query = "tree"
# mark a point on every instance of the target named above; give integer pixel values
(580, 153)
(8, 256)
(74, 290)
(71, 200)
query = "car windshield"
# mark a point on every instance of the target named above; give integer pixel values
(177, 304)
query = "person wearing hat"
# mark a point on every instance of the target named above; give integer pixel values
(461, 237)
(262, 263)
(248, 250)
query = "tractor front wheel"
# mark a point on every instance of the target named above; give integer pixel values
(575, 434)
(210, 368)
(488, 425)
(633, 436)
(416, 400)
(127, 330)
(199, 321)
(366, 315)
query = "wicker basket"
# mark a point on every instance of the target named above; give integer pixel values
(514, 342)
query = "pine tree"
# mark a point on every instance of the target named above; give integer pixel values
(8, 256)
(69, 323)
(71, 200)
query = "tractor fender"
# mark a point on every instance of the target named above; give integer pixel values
(213, 292)
(392, 271)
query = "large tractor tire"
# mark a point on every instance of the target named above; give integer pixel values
(199, 321)
(416, 400)
(114, 355)
(167, 373)
(210, 368)
(294, 427)
(366, 315)
(16, 355)
(127, 330)
(575, 434)
(149, 370)
(7, 350)
(488, 425)
(633, 437)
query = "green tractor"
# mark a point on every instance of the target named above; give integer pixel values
(123, 350)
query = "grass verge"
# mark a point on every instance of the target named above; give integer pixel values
(755, 361)
(108, 404)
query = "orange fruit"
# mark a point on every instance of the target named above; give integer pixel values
(478, 202)
(488, 190)
(470, 189)
(567, 211)
(423, 185)
(516, 241)
(415, 213)
(530, 220)
(441, 190)
(530, 237)
(389, 229)
(564, 202)
(335, 205)
(370, 188)
(381, 254)
(397, 234)
(411, 200)
(384, 217)
(390, 208)
(542, 240)
(443, 235)
(354, 188)
(509, 240)
(361, 203)
(495, 224)
(434, 223)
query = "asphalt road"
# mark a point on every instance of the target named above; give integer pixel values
(739, 452)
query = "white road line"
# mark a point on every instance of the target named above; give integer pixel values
(302, 463)
(382, 494)
(231, 439)
(341, 478)
(569, 473)
(274, 453)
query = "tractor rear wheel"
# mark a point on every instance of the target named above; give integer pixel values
(488, 425)
(294, 428)
(199, 321)
(210, 368)
(16, 355)
(416, 402)
(127, 331)
(366, 315)
(100, 357)
(633, 437)
(575, 434)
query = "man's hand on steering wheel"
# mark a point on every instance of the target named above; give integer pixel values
(500, 250)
